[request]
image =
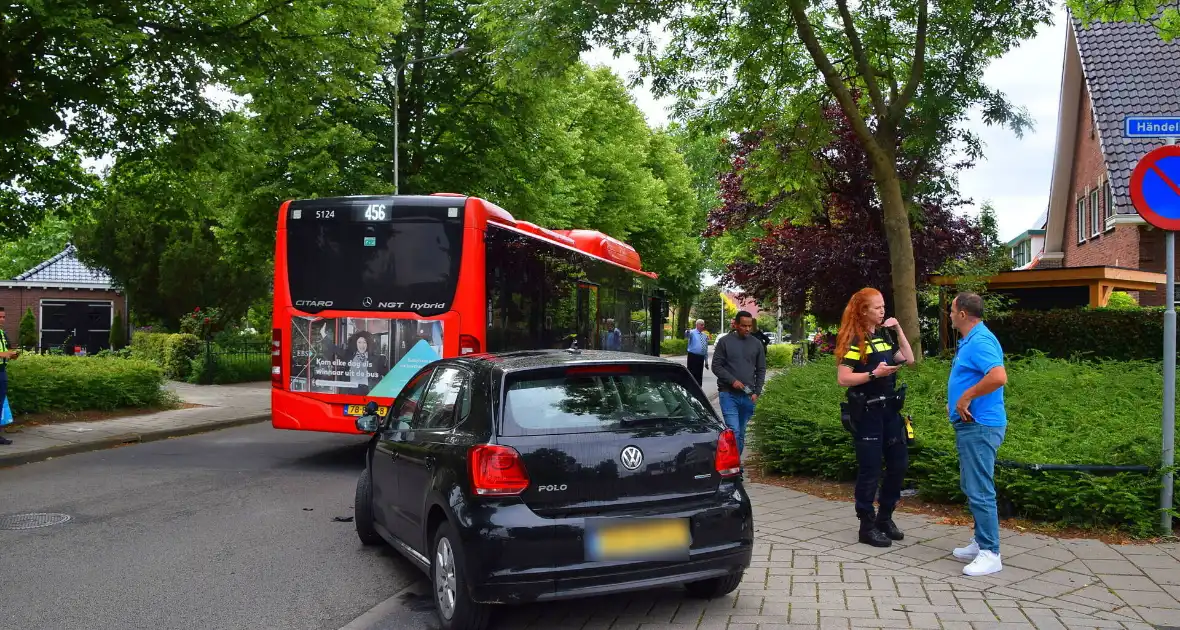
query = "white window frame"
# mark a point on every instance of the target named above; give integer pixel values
(1080, 213)
(1108, 203)
(1096, 222)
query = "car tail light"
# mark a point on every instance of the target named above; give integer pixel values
(728, 461)
(276, 358)
(469, 345)
(497, 471)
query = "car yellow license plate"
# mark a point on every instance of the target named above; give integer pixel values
(638, 539)
(359, 410)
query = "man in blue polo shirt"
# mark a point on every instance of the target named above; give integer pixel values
(975, 403)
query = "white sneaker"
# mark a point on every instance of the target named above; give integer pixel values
(986, 563)
(967, 553)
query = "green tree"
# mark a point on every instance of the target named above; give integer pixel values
(46, 239)
(94, 77)
(28, 329)
(892, 66)
(118, 337)
(154, 230)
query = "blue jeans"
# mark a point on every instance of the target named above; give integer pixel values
(977, 445)
(737, 410)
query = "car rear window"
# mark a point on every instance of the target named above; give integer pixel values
(557, 403)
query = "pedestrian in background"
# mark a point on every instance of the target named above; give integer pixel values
(869, 360)
(698, 350)
(6, 355)
(739, 362)
(975, 404)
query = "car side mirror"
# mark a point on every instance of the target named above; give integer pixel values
(367, 424)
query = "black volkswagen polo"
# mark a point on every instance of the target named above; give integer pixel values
(544, 475)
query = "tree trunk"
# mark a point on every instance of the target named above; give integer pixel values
(903, 270)
(682, 316)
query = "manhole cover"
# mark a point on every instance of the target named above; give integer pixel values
(32, 521)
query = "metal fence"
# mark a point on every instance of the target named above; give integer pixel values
(237, 362)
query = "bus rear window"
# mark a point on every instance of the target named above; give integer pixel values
(554, 404)
(349, 257)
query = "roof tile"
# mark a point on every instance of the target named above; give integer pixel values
(66, 268)
(1129, 71)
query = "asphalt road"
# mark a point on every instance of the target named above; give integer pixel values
(232, 529)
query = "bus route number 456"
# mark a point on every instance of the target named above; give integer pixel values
(375, 212)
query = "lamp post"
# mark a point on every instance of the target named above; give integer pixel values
(396, 119)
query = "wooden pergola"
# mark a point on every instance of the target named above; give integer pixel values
(1098, 282)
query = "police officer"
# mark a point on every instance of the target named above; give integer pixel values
(869, 360)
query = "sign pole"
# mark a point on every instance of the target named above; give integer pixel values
(1169, 420)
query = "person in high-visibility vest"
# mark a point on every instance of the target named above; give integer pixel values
(869, 359)
(6, 355)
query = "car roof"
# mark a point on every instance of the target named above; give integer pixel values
(524, 360)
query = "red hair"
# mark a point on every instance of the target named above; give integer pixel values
(852, 324)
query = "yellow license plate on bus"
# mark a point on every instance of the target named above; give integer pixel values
(359, 410)
(637, 539)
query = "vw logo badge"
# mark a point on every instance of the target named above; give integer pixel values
(631, 457)
(368, 302)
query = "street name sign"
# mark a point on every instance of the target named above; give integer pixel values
(1151, 127)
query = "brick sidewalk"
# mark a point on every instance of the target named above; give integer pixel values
(809, 572)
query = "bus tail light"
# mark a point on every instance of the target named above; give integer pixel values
(497, 471)
(728, 461)
(468, 344)
(276, 358)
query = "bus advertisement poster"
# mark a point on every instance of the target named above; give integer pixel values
(360, 355)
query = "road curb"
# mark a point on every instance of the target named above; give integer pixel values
(29, 457)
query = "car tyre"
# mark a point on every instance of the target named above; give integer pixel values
(363, 510)
(448, 585)
(714, 587)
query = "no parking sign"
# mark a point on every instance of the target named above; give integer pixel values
(1155, 187)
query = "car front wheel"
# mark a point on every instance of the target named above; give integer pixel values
(714, 587)
(448, 581)
(362, 510)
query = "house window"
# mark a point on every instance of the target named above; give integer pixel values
(1095, 214)
(1022, 253)
(1081, 212)
(1109, 199)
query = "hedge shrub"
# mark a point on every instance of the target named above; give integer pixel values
(149, 346)
(39, 383)
(172, 352)
(779, 355)
(1060, 412)
(1117, 333)
(674, 346)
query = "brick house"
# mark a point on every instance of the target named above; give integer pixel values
(74, 305)
(1110, 71)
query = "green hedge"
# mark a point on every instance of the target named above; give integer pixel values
(172, 352)
(674, 346)
(1059, 412)
(226, 370)
(1120, 334)
(61, 383)
(778, 355)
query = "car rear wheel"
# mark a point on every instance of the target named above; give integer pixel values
(714, 587)
(363, 510)
(448, 581)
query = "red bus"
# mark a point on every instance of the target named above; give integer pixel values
(368, 289)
